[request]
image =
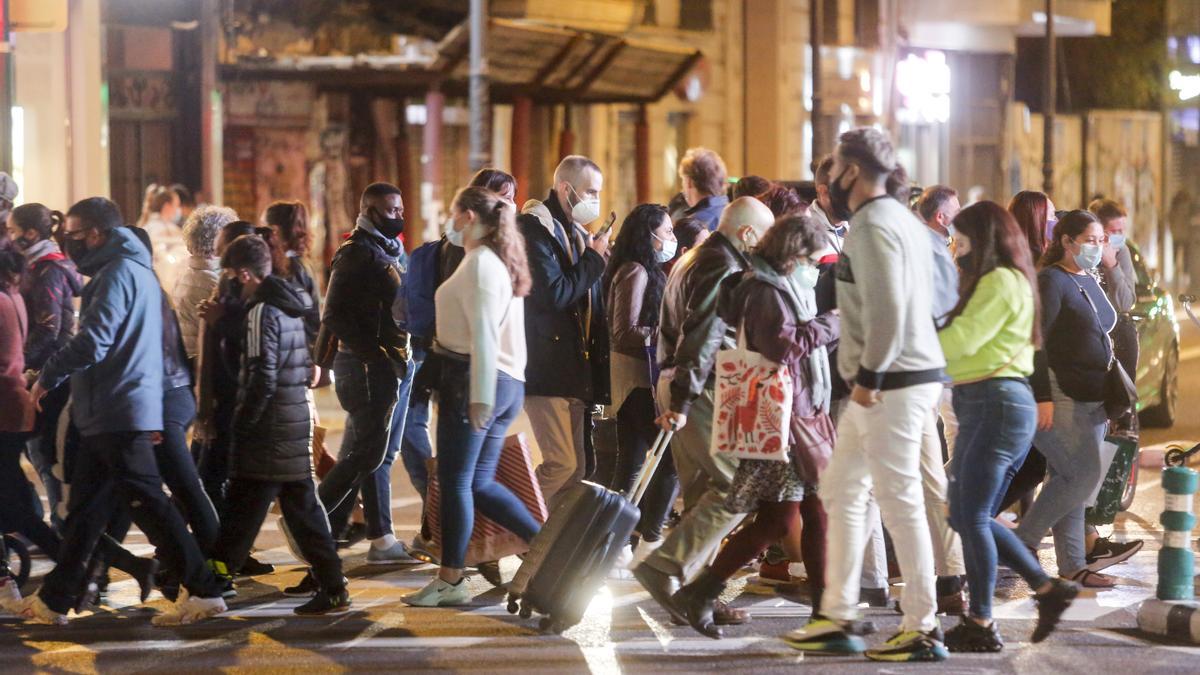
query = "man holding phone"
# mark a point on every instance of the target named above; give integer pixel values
(567, 341)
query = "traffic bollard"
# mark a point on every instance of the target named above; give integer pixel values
(1176, 561)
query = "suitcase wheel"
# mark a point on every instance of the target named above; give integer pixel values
(550, 626)
(526, 610)
(512, 606)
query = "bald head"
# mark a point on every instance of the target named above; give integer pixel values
(745, 221)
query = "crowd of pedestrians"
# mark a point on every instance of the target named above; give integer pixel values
(943, 361)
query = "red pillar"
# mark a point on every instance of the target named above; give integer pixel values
(566, 138)
(522, 123)
(641, 141)
(404, 174)
(431, 151)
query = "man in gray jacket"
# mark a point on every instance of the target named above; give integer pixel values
(889, 349)
(115, 364)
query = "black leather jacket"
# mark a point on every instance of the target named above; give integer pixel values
(691, 333)
(364, 284)
(177, 370)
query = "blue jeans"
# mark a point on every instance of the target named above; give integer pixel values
(467, 461)
(1072, 451)
(415, 446)
(996, 422)
(377, 487)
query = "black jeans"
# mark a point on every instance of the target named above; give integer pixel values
(302, 513)
(636, 432)
(18, 497)
(119, 468)
(367, 393)
(212, 456)
(179, 469)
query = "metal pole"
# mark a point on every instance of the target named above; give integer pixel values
(816, 37)
(1049, 104)
(480, 111)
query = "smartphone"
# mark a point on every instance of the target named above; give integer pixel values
(608, 224)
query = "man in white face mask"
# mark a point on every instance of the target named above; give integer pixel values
(567, 371)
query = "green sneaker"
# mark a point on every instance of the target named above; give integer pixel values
(826, 637)
(911, 645)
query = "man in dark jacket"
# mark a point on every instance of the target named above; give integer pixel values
(690, 334)
(565, 335)
(271, 429)
(703, 175)
(115, 364)
(362, 306)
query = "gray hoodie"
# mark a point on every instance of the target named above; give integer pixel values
(884, 291)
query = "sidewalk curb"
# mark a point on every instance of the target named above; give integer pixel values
(1178, 620)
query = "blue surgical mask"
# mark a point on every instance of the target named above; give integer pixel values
(667, 252)
(806, 276)
(1089, 256)
(1117, 240)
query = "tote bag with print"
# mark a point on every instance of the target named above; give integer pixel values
(753, 405)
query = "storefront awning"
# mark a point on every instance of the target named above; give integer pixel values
(548, 64)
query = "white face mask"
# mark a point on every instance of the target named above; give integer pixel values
(455, 237)
(806, 276)
(668, 250)
(586, 210)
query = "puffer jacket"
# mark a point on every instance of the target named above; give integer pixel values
(49, 286)
(271, 429)
(691, 333)
(195, 285)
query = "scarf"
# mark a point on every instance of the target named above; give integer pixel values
(804, 304)
(40, 250)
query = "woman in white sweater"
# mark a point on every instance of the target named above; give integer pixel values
(481, 336)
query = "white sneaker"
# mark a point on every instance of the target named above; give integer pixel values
(396, 554)
(624, 564)
(438, 593)
(10, 595)
(644, 549)
(33, 610)
(190, 609)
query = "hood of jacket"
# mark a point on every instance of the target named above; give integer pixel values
(122, 243)
(288, 298)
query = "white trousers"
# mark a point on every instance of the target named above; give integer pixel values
(947, 547)
(879, 448)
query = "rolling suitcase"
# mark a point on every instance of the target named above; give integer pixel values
(577, 547)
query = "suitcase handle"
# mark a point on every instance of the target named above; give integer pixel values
(653, 458)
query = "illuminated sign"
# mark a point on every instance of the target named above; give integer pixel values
(923, 83)
(1188, 86)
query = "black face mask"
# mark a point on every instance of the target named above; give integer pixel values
(24, 244)
(76, 249)
(389, 227)
(839, 197)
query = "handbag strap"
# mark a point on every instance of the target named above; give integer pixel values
(1112, 352)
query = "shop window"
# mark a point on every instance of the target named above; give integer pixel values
(696, 15)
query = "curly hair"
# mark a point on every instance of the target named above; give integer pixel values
(202, 227)
(635, 243)
(500, 220)
(790, 239)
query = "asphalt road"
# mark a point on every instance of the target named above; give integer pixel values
(624, 630)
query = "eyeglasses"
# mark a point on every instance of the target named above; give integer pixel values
(76, 235)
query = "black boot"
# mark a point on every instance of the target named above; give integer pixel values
(696, 599)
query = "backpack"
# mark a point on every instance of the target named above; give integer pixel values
(420, 283)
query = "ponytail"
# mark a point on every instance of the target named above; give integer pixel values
(502, 236)
(38, 218)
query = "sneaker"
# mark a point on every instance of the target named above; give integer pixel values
(253, 567)
(969, 636)
(307, 587)
(874, 597)
(1107, 553)
(221, 572)
(326, 602)
(439, 593)
(190, 609)
(911, 645)
(953, 604)
(1051, 605)
(643, 551)
(620, 570)
(33, 610)
(773, 574)
(422, 549)
(10, 595)
(396, 554)
(826, 637)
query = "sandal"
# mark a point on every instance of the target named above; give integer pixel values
(1090, 579)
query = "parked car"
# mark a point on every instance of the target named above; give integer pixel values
(1158, 340)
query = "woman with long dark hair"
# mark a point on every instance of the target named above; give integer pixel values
(989, 340)
(481, 335)
(1068, 381)
(1034, 213)
(633, 287)
(289, 222)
